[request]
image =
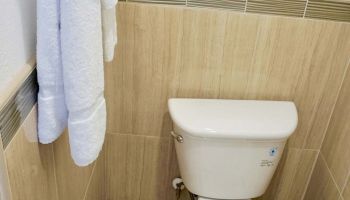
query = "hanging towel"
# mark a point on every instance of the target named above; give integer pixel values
(106, 4)
(109, 29)
(82, 59)
(52, 116)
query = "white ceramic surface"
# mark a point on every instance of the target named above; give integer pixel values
(227, 164)
(204, 198)
(240, 119)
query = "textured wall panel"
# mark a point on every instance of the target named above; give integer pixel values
(333, 10)
(169, 2)
(17, 108)
(237, 5)
(293, 8)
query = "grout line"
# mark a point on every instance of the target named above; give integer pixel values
(90, 178)
(330, 172)
(306, 5)
(245, 6)
(295, 148)
(317, 150)
(143, 168)
(310, 175)
(54, 170)
(346, 181)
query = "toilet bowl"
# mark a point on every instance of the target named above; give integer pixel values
(229, 149)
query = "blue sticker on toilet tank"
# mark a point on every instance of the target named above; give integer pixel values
(273, 151)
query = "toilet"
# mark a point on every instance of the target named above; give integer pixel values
(229, 149)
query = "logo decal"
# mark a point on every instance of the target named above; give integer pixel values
(273, 151)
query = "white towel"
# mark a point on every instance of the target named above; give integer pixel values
(82, 59)
(52, 116)
(106, 4)
(109, 29)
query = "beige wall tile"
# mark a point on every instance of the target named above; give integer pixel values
(5, 191)
(71, 179)
(291, 178)
(137, 167)
(30, 165)
(97, 187)
(134, 167)
(335, 147)
(202, 51)
(186, 52)
(336, 62)
(138, 79)
(320, 81)
(118, 76)
(125, 154)
(155, 183)
(239, 57)
(346, 190)
(240, 39)
(322, 186)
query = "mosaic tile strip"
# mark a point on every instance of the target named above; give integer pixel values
(338, 10)
(332, 10)
(17, 108)
(168, 2)
(237, 5)
(294, 8)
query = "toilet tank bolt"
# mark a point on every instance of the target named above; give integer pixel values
(177, 137)
(178, 184)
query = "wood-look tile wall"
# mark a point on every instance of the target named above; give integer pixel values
(330, 179)
(30, 165)
(168, 51)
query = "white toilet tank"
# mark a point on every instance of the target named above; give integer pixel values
(229, 149)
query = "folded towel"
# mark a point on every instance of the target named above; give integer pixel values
(82, 58)
(106, 4)
(52, 116)
(86, 133)
(109, 29)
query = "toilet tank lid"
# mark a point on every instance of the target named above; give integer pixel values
(239, 119)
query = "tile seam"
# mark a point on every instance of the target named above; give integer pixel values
(330, 172)
(90, 178)
(310, 175)
(306, 5)
(54, 170)
(245, 6)
(7, 174)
